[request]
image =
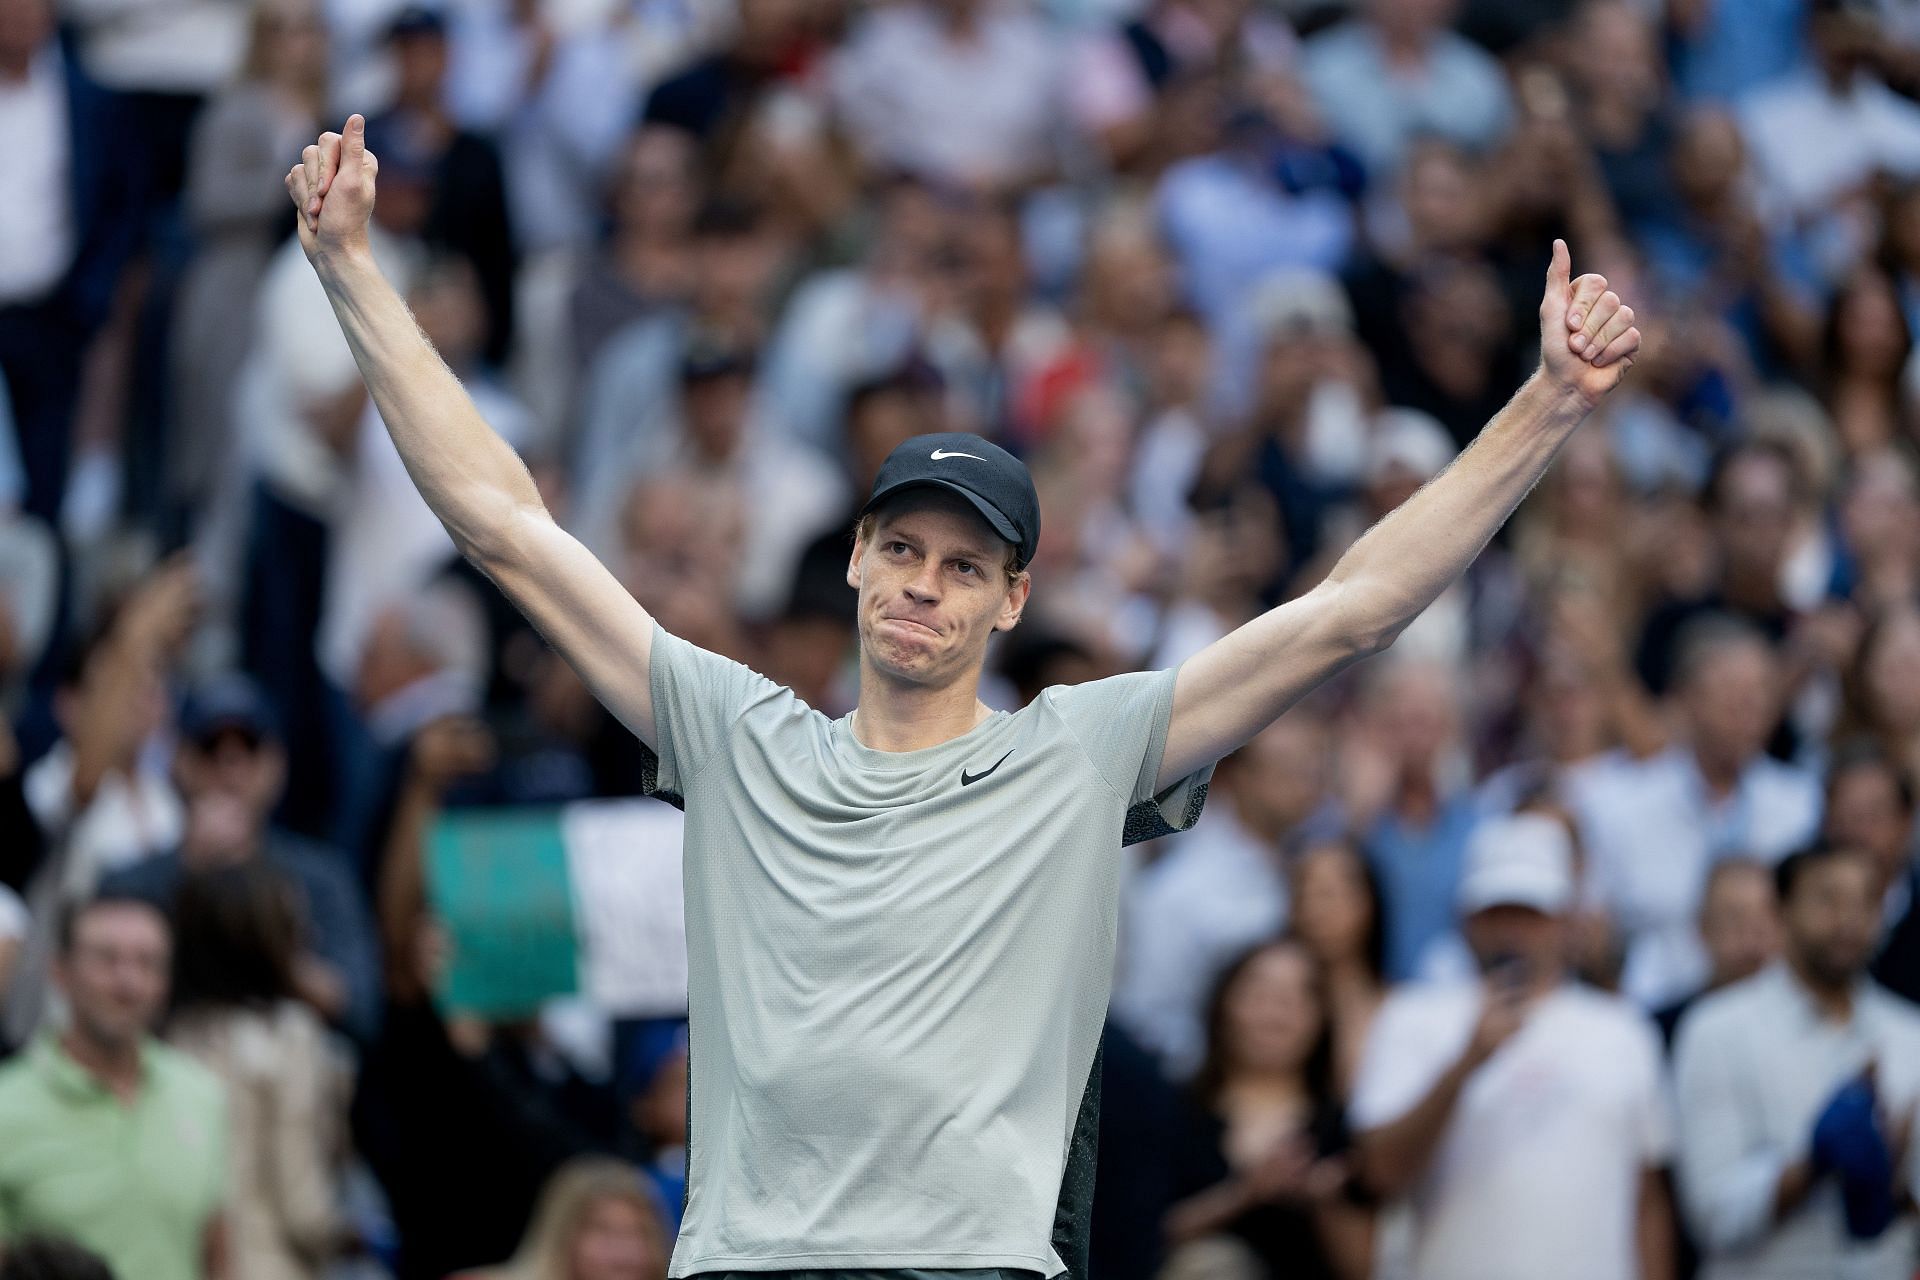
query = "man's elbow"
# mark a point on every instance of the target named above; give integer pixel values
(1362, 622)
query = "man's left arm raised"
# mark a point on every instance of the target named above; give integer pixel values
(1240, 684)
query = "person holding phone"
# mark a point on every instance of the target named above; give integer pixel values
(1522, 1115)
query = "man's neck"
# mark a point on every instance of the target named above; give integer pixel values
(1834, 1002)
(1720, 772)
(115, 1066)
(894, 716)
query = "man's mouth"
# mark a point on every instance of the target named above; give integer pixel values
(912, 622)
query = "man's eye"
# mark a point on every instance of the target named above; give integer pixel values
(897, 548)
(966, 566)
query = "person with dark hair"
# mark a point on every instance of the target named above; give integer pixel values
(1340, 917)
(50, 1258)
(235, 1009)
(231, 765)
(1870, 806)
(1797, 1090)
(107, 1135)
(1522, 1114)
(1263, 1159)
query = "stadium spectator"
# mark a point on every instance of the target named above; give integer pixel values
(595, 1222)
(1739, 930)
(1396, 71)
(113, 1138)
(1264, 1158)
(231, 768)
(1524, 1116)
(1402, 778)
(1796, 1090)
(1207, 899)
(236, 1011)
(1339, 917)
(1653, 827)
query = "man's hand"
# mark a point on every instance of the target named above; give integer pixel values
(332, 187)
(1501, 1014)
(1587, 338)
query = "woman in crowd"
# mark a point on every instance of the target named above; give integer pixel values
(238, 931)
(1261, 1160)
(595, 1221)
(1340, 919)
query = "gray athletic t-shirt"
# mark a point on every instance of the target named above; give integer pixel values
(899, 963)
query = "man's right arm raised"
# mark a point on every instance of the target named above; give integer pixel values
(470, 477)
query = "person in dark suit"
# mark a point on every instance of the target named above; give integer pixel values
(64, 236)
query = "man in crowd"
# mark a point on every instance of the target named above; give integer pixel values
(1796, 1093)
(231, 768)
(1524, 1116)
(1870, 808)
(1739, 929)
(1654, 827)
(111, 1137)
(1210, 897)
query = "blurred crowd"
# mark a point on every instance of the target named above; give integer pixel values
(1571, 938)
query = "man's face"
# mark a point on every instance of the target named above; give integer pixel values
(933, 589)
(25, 25)
(1755, 517)
(115, 975)
(1536, 939)
(1281, 774)
(1833, 919)
(1739, 923)
(1864, 811)
(1732, 701)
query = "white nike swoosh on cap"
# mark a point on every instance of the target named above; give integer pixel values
(938, 454)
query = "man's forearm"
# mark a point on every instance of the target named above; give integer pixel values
(1394, 1155)
(469, 476)
(1402, 564)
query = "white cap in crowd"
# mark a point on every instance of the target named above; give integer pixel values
(1525, 860)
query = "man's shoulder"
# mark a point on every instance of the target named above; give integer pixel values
(1609, 1015)
(1434, 1004)
(1731, 1011)
(182, 1077)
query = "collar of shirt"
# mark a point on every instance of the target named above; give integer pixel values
(74, 1082)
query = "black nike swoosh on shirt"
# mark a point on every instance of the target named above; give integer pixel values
(968, 779)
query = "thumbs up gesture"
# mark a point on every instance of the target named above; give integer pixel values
(1587, 337)
(332, 188)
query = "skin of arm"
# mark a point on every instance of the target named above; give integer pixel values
(1653, 1227)
(469, 476)
(1241, 683)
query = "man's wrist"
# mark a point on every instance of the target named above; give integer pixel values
(1557, 406)
(342, 263)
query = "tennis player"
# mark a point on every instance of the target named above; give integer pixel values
(900, 924)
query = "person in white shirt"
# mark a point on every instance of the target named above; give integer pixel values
(1796, 1093)
(1653, 827)
(1212, 896)
(1523, 1117)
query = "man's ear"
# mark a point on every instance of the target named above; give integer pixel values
(853, 565)
(1016, 602)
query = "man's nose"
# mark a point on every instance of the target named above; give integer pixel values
(924, 587)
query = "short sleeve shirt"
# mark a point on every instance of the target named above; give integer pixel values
(1539, 1170)
(135, 1182)
(899, 963)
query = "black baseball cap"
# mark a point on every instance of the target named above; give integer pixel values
(229, 703)
(993, 481)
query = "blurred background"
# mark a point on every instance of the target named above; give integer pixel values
(1235, 277)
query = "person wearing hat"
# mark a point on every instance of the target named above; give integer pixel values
(901, 922)
(231, 767)
(1523, 1115)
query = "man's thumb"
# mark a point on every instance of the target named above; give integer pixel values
(353, 144)
(1559, 282)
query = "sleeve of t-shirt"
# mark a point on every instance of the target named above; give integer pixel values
(1121, 726)
(697, 697)
(1404, 1058)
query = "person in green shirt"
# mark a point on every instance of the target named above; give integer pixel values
(107, 1136)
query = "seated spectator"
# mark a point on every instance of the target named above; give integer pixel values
(657, 1078)
(1870, 807)
(1396, 72)
(107, 1135)
(1796, 1092)
(1653, 827)
(231, 767)
(1339, 917)
(50, 1258)
(235, 1011)
(1264, 1155)
(595, 1222)
(1210, 897)
(1524, 1116)
(1739, 929)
